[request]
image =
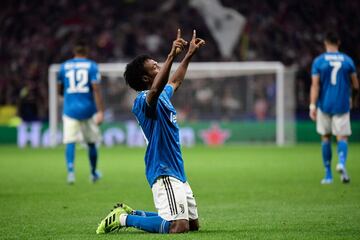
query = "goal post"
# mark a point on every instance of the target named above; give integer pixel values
(197, 70)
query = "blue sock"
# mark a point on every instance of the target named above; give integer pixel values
(92, 157)
(149, 224)
(342, 149)
(144, 214)
(326, 156)
(70, 156)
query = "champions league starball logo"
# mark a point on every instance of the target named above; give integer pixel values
(214, 135)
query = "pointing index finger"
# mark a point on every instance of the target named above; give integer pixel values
(194, 34)
(178, 33)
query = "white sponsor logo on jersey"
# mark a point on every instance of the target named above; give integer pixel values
(172, 118)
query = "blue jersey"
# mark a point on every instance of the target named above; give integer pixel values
(334, 70)
(163, 154)
(77, 76)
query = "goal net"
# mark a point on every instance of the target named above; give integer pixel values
(218, 102)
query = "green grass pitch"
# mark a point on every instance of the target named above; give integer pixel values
(243, 192)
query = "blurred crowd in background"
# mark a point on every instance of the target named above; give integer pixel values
(35, 34)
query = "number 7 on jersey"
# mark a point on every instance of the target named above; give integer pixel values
(336, 66)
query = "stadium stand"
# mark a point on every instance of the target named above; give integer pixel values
(34, 34)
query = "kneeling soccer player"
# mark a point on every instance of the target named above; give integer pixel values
(173, 197)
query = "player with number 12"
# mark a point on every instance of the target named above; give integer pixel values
(79, 83)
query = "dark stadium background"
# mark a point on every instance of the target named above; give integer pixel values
(34, 34)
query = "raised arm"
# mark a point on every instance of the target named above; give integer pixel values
(162, 77)
(177, 78)
(314, 94)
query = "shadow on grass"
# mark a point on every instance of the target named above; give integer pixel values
(133, 231)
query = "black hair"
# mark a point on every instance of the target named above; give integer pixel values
(135, 71)
(81, 47)
(332, 37)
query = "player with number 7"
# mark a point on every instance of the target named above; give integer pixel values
(333, 77)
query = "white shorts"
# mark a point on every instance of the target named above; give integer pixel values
(80, 130)
(174, 199)
(338, 125)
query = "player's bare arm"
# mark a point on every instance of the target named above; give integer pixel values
(162, 77)
(99, 103)
(355, 90)
(314, 94)
(177, 78)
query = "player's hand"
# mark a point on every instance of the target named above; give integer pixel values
(312, 114)
(195, 44)
(99, 118)
(178, 45)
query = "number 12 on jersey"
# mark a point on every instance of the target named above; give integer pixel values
(336, 65)
(78, 80)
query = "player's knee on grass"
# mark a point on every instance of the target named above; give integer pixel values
(194, 225)
(179, 226)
